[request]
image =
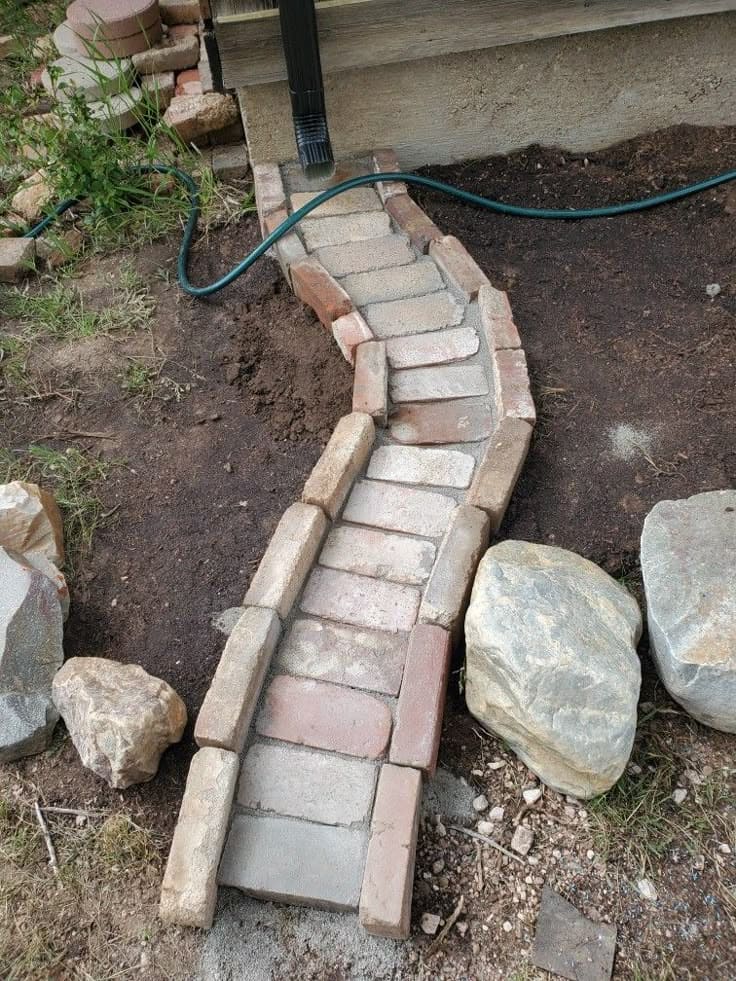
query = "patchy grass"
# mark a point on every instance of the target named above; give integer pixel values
(96, 919)
(63, 313)
(638, 823)
(73, 477)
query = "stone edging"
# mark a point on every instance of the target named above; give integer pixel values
(297, 673)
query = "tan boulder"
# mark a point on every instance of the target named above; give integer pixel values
(120, 718)
(30, 521)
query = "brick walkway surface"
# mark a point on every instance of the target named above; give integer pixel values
(364, 585)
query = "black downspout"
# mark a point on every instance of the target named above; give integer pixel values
(301, 48)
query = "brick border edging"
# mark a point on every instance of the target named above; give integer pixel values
(189, 887)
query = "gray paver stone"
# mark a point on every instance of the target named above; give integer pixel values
(339, 229)
(415, 315)
(374, 253)
(398, 283)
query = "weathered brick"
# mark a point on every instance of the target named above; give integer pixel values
(438, 347)
(499, 469)
(288, 559)
(342, 460)
(360, 601)
(438, 383)
(189, 888)
(16, 258)
(448, 590)
(189, 82)
(194, 116)
(325, 716)
(458, 265)
(349, 202)
(415, 315)
(386, 162)
(513, 392)
(229, 704)
(395, 283)
(305, 784)
(269, 188)
(416, 737)
(230, 162)
(373, 253)
(412, 220)
(179, 11)
(291, 861)
(380, 554)
(388, 879)
(350, 331)
(316, 287)
(369, 659)
(416, 465)
(497, 320)
(339, 229)
(288, 250)
(370, 384)
(442, 422)
(399, 508)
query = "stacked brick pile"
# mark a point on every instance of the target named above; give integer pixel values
(324, 715)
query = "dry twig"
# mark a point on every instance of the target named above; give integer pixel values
(488, 841)
(53, 862)
(447, 927)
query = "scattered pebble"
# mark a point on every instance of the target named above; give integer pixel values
(726, 849)
(699, 863)
(462, 927)
(523, 840)
(430, 923)
(507, 927)
(497, 765)
(438, 866)
(647, 890)
(485, 828)
(679, 795)
(532, 795)
(713, 289)
(480, 803)
(496, 813)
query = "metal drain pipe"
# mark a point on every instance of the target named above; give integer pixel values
(301, 49)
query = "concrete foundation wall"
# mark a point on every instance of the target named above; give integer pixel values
(580, 92)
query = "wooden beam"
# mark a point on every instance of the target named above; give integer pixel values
(362, 33)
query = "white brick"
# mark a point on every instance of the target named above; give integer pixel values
(360, 601)
(377, 553)
(398, 508)
(438, 384)
(340, 229)
(393, 284)
(438, 347)
(342, 460)
(349, 202)
(416, 465)
(374, 253)
(415, 315)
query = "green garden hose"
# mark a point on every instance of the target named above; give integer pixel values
(477, 200)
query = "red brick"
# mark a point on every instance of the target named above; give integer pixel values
(272, 221)
(269, 188)
(499, 469)
(416, 738)
(385, 899)
(350, 331)
(325, 716)
(370, 384)
(496, 319)
(315, 287)
(411, 219)
(513, 394)
(188, 82)
(458, 265)
(441, 422)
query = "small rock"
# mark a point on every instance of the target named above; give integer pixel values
(230, 162)
(724, 849)
(699, 863)
(32, 197)
(120, 718)
(485, 828)
(30, 521)
(195, 116)
(480, 803)
(462, 927)
(679, 795)
(532, 795)
(497, 764)
(507, 926)
(9, 45)
(438, 866)
(440, 829)
(496, 814)
(713, 289)
(647, 890)
(522, 840)
(430, 923)
(16, 258)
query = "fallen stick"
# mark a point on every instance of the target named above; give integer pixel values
(447, 927)
(488, 841)
(53, 862)
(72, 810)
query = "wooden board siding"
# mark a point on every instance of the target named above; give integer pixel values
(364, 33)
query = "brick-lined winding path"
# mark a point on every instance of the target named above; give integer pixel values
(332, 686)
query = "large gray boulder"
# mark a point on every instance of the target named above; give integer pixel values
(688, 561)
(551, 663)
(120, 718)
(30, 654)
